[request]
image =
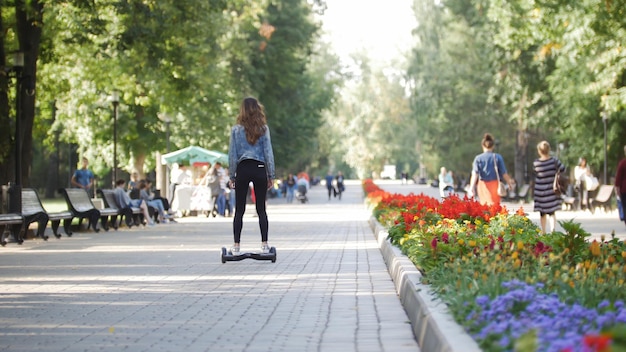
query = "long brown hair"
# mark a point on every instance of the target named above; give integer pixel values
(252, 118)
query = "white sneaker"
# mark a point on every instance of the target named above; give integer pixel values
(265, 249)
(235, 250)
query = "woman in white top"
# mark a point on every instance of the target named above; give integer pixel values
(580, 172)
(446, 183)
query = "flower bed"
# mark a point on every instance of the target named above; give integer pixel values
(511, 288)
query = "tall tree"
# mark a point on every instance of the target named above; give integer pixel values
(279, 74)
(154, 56)
(452, 70)
(24, 37)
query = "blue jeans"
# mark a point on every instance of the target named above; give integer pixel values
(231, 202)
(290, 192)
(158, 205)
(221, 202)
(135, 203)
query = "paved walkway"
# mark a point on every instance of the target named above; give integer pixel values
(165, 289)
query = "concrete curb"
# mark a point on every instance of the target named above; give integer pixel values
(433, 326)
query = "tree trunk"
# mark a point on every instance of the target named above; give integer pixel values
(29, 29)
(6, 132)
(522, 174)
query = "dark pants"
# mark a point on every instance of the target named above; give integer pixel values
(622, 197)
(331, 190)
(250, 171)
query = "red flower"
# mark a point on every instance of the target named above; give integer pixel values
(598, 343)
(433, 243)
(445, 237)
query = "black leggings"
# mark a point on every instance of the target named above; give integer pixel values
(250, 171)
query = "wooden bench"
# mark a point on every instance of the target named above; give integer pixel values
(603, 198)
(14, 223)
(131, 215)
(81, 206)
(32, 210)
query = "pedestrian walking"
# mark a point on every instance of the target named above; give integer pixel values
(487, 170)
(329, 184)
(620, 181)
(547, 202)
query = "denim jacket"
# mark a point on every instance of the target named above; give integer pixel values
(240, 149)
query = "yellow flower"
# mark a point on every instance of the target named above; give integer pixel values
(624, 254)
(517, 263)
(520, 245)
(461, 241)
(515, 255)
(472, 243)
(571, 283)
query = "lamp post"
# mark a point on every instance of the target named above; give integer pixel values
(526, 156)
(605, 118)
(168, 120)
(115, 99)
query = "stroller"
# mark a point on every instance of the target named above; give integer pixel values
(301, 194)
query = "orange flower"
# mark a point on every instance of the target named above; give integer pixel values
(594, 247)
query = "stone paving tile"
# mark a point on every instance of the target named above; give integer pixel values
(165, 289)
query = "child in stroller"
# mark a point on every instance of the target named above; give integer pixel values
(301, 190)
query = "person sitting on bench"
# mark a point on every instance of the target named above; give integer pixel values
(124, 201)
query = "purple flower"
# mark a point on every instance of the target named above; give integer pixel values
(523, 308)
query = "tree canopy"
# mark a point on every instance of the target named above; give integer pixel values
(524, 70)
(190, 61)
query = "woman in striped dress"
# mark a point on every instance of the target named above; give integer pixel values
(546, 201)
